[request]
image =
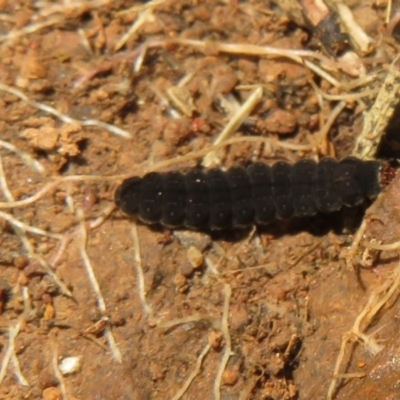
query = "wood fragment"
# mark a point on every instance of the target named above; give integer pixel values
(378, 117)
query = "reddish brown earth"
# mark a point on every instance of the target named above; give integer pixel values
(293, 297)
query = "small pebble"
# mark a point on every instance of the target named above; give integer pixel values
(70, 365)
(195, 257)
(51, 393)
(215, 339)
(23, 280)
(46, 298)
(21, 262)
(186, 269)
(230, 377)
(49, 312)
(180, 283)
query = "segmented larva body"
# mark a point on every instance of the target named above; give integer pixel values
(239, 197)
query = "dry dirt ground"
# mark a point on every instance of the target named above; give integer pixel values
(96, 307)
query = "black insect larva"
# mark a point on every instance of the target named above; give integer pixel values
(239, 197)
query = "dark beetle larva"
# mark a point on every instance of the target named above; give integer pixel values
(259, 194)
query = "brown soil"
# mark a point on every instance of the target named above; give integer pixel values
(260, 314)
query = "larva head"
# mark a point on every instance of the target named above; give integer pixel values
(127, 195)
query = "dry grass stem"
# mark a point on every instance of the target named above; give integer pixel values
(3, 183)
(140, 58)
(141, 7)
(144, 16)
(15, 222)
(68, 7)
(244, 270)
(64, 290)
(139, 271)
(63, 117)
(194, 373)
(164, 102)
(389, 7)
(350, 253)
(343, 96)
(324, 132)
(359, 38)
(387, 247)
(14, 34)
(187, 320)
(234, 123)
(26, 158)
(17, 370)
(12, 334)
(57, 372)
(228, 343)
(182, 100)
(105, 213)
(255, 50)
(322, 73)
(85, 41)
(58, 181)
(95, 286)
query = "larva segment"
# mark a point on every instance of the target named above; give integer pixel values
(326, 198)
(174, 200)
(197, 201)
(241, 197)
(302, 184)
(281, 189)
(151, 198)
(220, 199)
(261, 181)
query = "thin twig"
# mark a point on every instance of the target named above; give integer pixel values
(139, 271)
(26, 157)
(235, 122)
(228, 343)
(12, 334)
(95, 286)
(57, 372)
(15, 222)
(30, 29)
(194, 373)
(63, 117)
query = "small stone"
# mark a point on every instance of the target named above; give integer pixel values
(215, 339)
(23, 280)
(70, 365)
(195, 257)
(47, 299)
(51, 393)
(180, 283)
(186, 269)
(21, 262)
(230, 377)
(197, 239)
(49, 312)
